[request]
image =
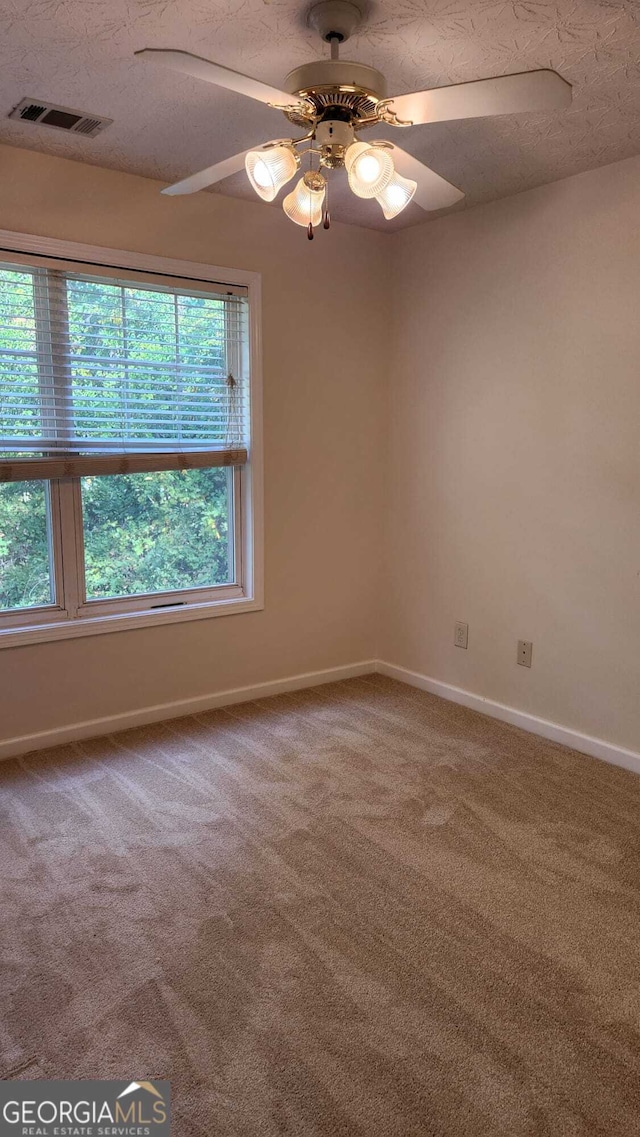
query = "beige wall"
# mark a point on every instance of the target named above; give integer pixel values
(514, 469)
(509, 377)
(322, 432)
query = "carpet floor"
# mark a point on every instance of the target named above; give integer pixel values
(353, 910)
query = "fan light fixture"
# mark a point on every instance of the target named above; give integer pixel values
(369, 169)
(270, 169)
(304, 204)
(396, 195)
(370, 173)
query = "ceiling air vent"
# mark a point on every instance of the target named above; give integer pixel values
(63, 118)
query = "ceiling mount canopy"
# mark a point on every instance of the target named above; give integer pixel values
(333, 101)
(334, 19)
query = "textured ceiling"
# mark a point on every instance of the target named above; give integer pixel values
(79, 53)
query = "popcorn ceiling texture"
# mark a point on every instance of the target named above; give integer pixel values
(80, 54)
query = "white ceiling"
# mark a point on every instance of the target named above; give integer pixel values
(79, 53)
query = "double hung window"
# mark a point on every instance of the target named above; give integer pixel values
(125, 445)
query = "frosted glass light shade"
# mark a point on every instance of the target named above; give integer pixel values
(369, 169)
(396, 195)
(304, 204)
(269, 170)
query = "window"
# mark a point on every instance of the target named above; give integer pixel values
(127, 471)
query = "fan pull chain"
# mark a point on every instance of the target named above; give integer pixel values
(310, 225)
(326, 224)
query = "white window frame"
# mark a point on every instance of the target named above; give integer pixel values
(36, 625)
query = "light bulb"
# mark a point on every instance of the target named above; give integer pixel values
(261, 175)
(269, 170)
(369, 169)
(352, 153)
(304, 204)
(396, 195)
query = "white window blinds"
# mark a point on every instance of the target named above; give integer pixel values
(104, 372)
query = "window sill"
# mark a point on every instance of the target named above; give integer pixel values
(124, 621)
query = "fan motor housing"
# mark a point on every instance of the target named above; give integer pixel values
(338, 82)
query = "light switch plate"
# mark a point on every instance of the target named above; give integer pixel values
(525, 650)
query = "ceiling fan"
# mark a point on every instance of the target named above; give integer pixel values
(333, 101)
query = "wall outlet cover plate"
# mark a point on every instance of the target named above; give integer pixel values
(461, 634)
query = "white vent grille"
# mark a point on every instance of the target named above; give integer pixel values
(60, 118)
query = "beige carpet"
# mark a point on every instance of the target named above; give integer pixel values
(352, 910)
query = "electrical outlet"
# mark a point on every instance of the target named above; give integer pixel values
(525, 648)
(461, 634)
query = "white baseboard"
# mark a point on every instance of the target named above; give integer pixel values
(596, 747)
(93, 728)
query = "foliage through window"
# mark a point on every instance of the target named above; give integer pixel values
(124, 439)
(25, 574)
(156, 532)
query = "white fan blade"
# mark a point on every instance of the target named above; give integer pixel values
(433, 192)
(505, 94)
(209, 176)
(221, 76)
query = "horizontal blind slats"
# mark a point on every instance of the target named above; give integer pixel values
(18, 447)
(92, 362)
